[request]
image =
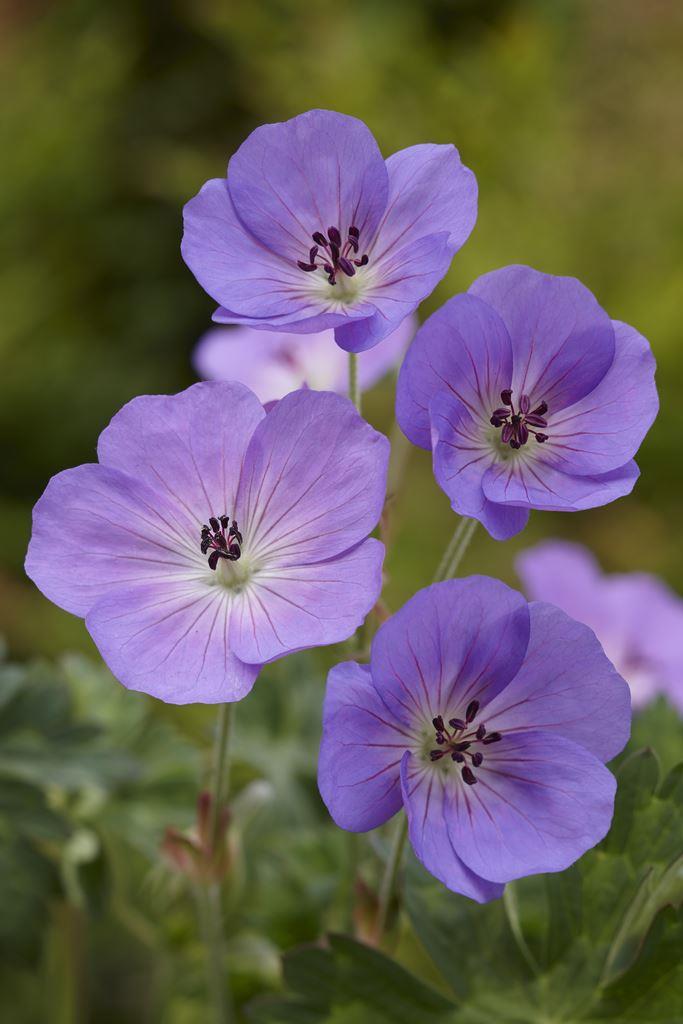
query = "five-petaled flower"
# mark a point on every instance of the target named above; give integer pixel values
(211, 538)
(273, 363)
(312, 229)
(529, 397)
(490, 721)
(636, 617)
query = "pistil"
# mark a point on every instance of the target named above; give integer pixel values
(457, 740)
(222, 539)
(519, 424)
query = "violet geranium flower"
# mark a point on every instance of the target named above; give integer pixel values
(636, 617)
(211, 538)
(529, 397)
(273, 363)
(312, 229)
(489, 720)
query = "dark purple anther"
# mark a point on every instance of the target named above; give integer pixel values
(472, 709)
(468, 775)
(481, 731)
(477, 759)
(492, 737)
(517, 426)
(435, 755)
(458, 758)
(222, 539)
(336, 255)
(457, 723)
(461, 746)
(438, 723)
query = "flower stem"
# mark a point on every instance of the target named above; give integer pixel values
(390, 877)
(512, 914)
(459, 543)
(209, 896)
(354, 387)
(221, 766)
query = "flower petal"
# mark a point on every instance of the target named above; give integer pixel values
(96, 529)
(170, 639)
(318, 170)
(567, 686)
(188, 446)
(430, 190)
(461, 456)
(563, 341)
(462, 349)
(566, 575)
(236, 269)
(604, 429)
(286, 608)
(429, 804)
(539, 803)
(452, 643)
(360, 752)
(314, 480)
(531, 482)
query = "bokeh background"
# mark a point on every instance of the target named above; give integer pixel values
(113, 115)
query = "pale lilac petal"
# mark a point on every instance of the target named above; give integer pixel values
(532, 482)
(317, 170)
(430, 191)
(461, 455)
(423, 666)
(170, 639)
(96, 529)
(563, 341)
(360, 752)
(566, 575)
(273, 363)
(429, 804)
(463, 349)
(314, 480)
(567, 686)
(189, 446)
(285, 608)
(605, 429)
(540, 802)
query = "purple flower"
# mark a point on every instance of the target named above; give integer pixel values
(529, 397)
(636, 617)
(489, 720)
(211, 538)
(273, 363)
(313, 229)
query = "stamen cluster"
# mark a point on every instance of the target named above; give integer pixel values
(222, 539)
(458, 742)
(518, 425)
(334, 257)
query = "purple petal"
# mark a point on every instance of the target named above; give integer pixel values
(429, 805)
(170, 639)
(462, 454)
(430, 191)
(605, 429)
(251, 279)
(540, 802)
(566, 575)
(273, 363)
(452, 643)
(96, 529)
(533, 483)
(463, 349)
(360, 752)
(563, 341)
(314, 480)
(567, 686)
(320, 169)
(189, 446)
(289, 607)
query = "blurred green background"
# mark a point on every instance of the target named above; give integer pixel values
(111, 117)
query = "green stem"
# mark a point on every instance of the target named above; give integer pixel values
(221, 766)
(459, 543)
(354, 388)
(211, 925)
(512, 914)
(390, 877)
